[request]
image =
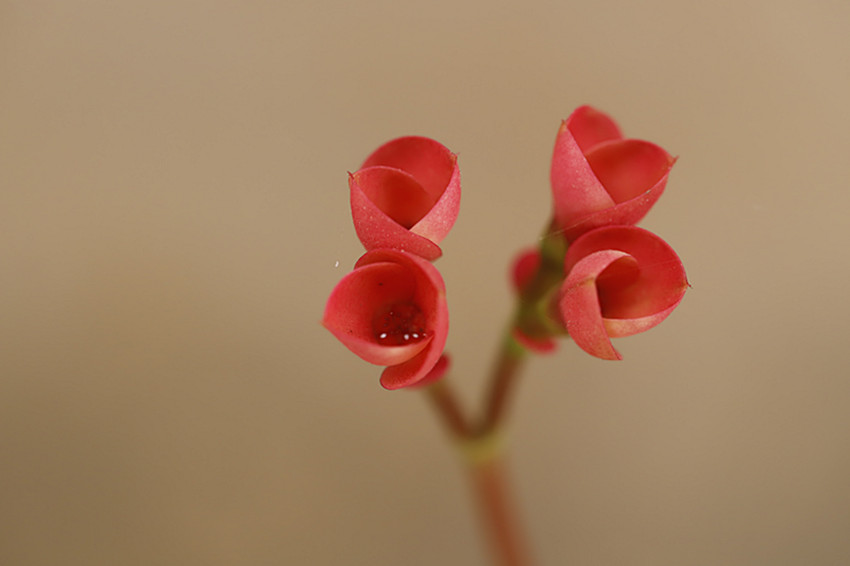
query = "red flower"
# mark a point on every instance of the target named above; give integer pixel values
(621, 280)
(391, 310)
(601, 179)
(406, 196)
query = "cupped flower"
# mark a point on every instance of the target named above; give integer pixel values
(406, 196)
(600, 178)
(621, 280)
(391, 310)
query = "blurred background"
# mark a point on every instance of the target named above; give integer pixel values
(174, 214)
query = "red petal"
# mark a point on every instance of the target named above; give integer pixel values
(580, 306)
(415, 206)
(429, 295)
(437, 372)
(428, 277)
(375, 228)
(599, 179)
(589, 126)
(576, 190)
(621, 280)
(435, 168)
(396, 193)
(658, 283)
(351, 308)
(439, 221)
(629, 168)
(426, 160)
(618, 328)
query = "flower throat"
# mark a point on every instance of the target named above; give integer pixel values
(399, 324)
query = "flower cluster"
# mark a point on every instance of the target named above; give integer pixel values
(391, 309)
(596, 275)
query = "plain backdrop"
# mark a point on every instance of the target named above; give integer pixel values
(174, 214)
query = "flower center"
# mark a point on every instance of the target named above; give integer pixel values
(399, 324)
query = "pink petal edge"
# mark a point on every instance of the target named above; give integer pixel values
(590, 127)
(415, 369)
(580, 306)
(575, 189)
(438, 222)
(377, 230)
(350, 308)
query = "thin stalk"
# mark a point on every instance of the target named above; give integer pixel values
(483, 455)
(480, 441)
(498, 512)
(447, 406)
(503, 382)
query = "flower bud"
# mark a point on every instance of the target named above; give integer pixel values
(406, 196)
(601, 179)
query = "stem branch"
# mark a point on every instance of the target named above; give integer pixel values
(481, 447)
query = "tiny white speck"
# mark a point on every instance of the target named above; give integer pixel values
(336, 264)
(407, 336)
(383, 335)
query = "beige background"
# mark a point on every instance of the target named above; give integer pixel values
(173, 202)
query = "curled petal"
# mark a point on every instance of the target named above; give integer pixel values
(427, 160)
(406, 196)
(580, 305)
(354, 302)
(600, 179)
(576, 190)
(391, 310)
(589, 127)
(437, 373)
(629, 168)
(402, 197)
(621, 280)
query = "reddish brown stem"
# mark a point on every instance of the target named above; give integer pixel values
(502, 385)
(447, 405)
(498, 512)
(482, 450)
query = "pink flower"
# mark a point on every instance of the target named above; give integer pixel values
(391, 310)
(601, 179)
(621, 280)
(406, 196)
